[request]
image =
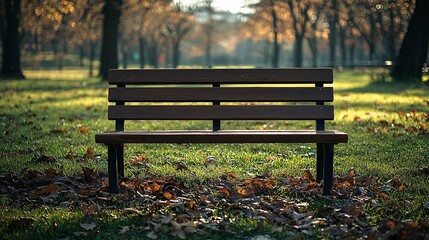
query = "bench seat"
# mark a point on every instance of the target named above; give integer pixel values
(223, 136)
(217, 95)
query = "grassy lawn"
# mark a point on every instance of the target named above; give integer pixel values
(49, 120)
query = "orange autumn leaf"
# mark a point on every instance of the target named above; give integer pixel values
(168, 195)
(83, 130)
(308, 175)
(242, 192)
(156, 187)
(225, 191)
(192, 204)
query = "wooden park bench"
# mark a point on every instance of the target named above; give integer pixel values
(221, 94)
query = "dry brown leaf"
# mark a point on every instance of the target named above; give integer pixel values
(308, 175)
(89, 154)
(89, 175)
(89, 210)
(353, 210)
(181, 165)
(225, 191)
(50, 173)
(46, 190)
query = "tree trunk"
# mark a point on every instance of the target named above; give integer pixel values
(153, 54)
(391, 38)
(414, 48)
(333, 20)
(11, 53)
(124, 53)
(266, 52)
(142, 52)
(276, 48)
(312, 44)
(109, 44)
(298, 51)
(176, 54)
(92, 46)
(352, 49)
(372, 40)
(209, 49)
(343, 46)
(81, 55)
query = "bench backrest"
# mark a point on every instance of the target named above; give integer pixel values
(209, 85)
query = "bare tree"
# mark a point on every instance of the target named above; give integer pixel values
(414, 48)
(11, 52)
(109, 45)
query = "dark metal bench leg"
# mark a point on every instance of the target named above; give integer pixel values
(112, 168)
(320, 161)
(328, 170)
(120, 159)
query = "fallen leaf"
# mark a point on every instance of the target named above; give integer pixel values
(89, 210)
(168, 195)
(88, 226)
(50, 173)
(89, 154)
(225, 191)
(46, 190)
(308, 175)
(89, 175)
(181, 166)
(352, 210)
(83, 130)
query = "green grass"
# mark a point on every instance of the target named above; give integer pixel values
(43, 115)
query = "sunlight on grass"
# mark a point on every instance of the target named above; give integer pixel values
(45, 115)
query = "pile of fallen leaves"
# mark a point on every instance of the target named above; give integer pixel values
(168, 203)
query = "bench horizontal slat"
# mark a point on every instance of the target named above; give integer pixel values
(222, 112)
(220, 76)
(224, 136)
(224, 94)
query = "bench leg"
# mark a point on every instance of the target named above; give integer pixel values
(320, 161)
(328, 169)
(112, 168)
(120, 160)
